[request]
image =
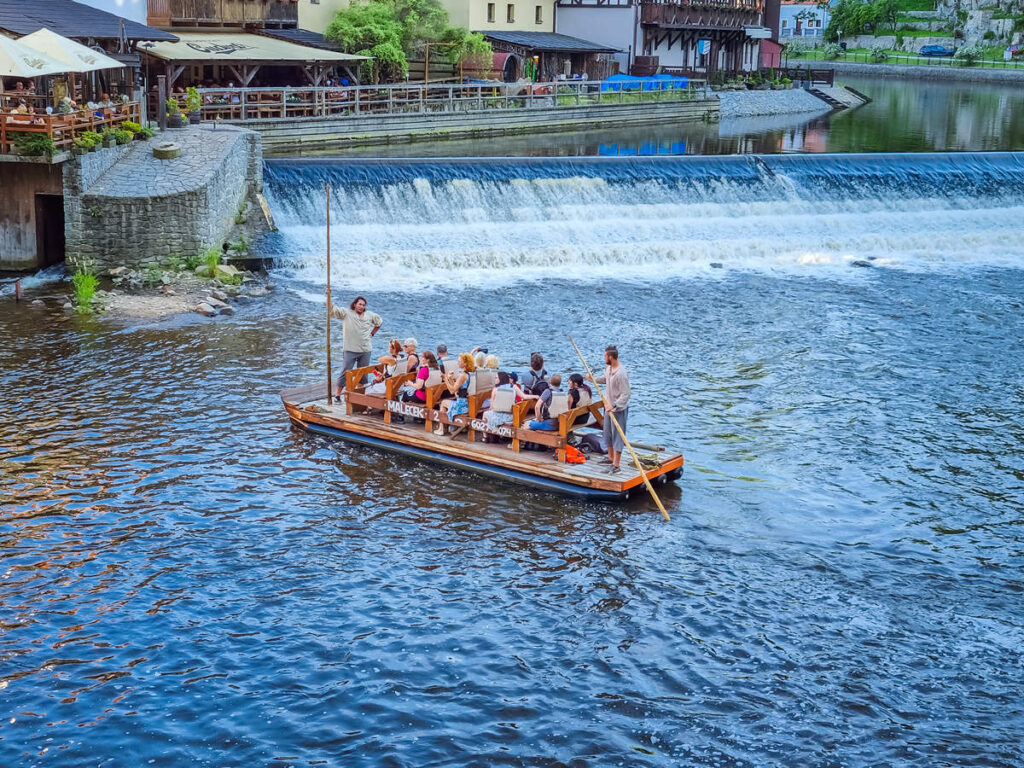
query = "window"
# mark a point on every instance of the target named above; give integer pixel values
(490, 12)
(510, 13)
(538, 14)
(785, 23)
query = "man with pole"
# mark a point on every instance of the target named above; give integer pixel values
(611, 421)
(616, 400)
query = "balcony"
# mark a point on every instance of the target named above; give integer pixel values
(223, 13)
(705, 14)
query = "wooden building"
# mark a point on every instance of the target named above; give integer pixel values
(697, 38)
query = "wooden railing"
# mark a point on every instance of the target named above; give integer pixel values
(652, 10)
(63, 129)
(230, 13)
(249, 104)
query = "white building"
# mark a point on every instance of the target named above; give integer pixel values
(802, 19)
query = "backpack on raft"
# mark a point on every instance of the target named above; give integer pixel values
(574, 455)
(593, 443)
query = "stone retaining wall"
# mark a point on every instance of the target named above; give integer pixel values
(139, 210)
(937, 72)
(356, 130)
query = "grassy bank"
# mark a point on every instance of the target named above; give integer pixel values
(992, 59)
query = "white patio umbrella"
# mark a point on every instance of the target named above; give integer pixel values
(73, 55)
(18, 60)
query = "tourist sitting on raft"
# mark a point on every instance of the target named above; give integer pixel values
(418, 394)
(536, 374)
(390, 364)
(541, 409)
(457, 385)
(507, 382)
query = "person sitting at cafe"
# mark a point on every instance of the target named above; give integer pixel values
(541, 409)
(66, 106)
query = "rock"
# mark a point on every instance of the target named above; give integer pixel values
(206, 309)
(68, 305)
(227, 269)
(204, 271)
(860, 263)
(219, 295)
(38, 303)
(215, 302)
(231, 290)
(117, 271)
(716, 265)
(168, 291)
(269, 287)
(227, 309)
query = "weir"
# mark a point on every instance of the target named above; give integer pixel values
(430, 222)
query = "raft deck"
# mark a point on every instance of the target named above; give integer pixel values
(308, 408)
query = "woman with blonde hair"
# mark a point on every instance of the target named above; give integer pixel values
(457, 385)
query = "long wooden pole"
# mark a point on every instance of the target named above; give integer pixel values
(330, 382)
(608, 413)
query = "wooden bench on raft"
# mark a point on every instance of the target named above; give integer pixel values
(433, 411)
(522, 414)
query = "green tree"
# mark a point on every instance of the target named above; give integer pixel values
(392, 31)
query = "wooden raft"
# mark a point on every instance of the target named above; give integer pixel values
(368, 419)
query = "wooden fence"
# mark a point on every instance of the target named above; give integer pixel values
(248, 104)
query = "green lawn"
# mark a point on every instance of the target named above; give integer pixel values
(917, 5)
(993, 56)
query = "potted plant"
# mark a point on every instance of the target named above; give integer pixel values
(80, 146)
(92, 140)
(194, 105)
(109, 140)
(173, 114)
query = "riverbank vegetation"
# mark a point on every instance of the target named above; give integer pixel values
(393, 31)
(85, 282)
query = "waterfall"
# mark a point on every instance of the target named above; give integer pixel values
(421, 223)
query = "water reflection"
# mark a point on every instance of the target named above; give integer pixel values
(904, 116)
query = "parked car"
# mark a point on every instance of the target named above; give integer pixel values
(935, 50)
(1012, 51)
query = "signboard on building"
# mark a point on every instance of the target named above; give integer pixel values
(703, 47)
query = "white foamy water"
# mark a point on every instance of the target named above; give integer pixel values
(471, 228)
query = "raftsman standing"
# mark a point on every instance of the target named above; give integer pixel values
(616, 400)
(358, 327)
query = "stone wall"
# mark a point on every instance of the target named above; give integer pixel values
(140, 210)
(362, 130)
(934, 72)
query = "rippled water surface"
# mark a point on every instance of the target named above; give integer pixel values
(187, 580)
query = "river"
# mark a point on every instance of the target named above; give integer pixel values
(903, 116)
(833, 342)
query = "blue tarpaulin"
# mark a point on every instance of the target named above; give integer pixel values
(652, 83)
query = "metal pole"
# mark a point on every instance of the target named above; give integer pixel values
(161, 100)
(330, 383)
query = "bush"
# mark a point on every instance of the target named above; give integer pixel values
(146, 133)
(128, 125)
(831, 51)
(796, 49)
(212, 258)
(85, 281)
(989, 35)
(899, 40)
(173, 108)
(33, 144)
(968, 55)
(878, 54)
(91, 138)
(122, 136)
